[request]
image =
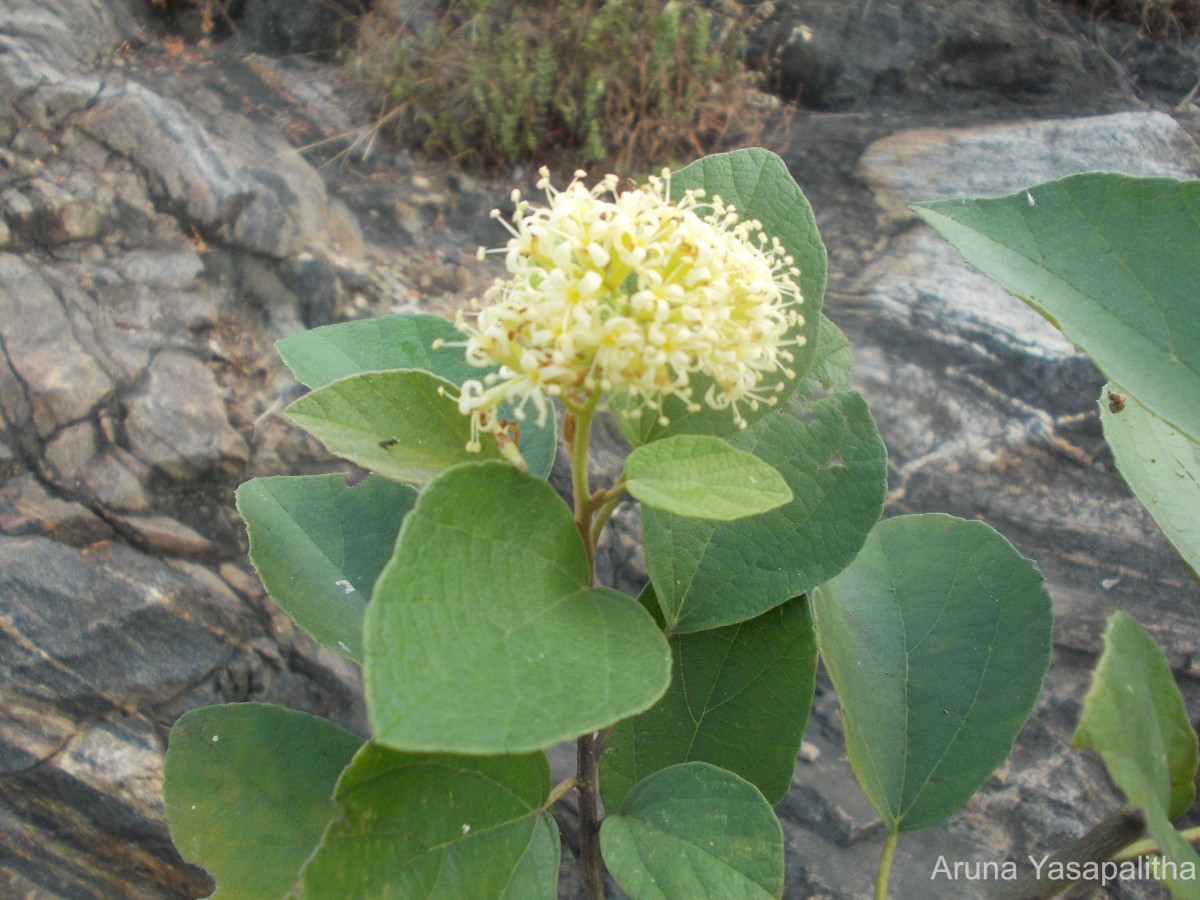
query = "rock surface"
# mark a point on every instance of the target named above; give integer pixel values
(158, 235)
(159, 230)
(830, 55)
(988, 412)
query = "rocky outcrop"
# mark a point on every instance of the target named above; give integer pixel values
(989, 413)
(159, 230)
(154, 240)
(1013, 56)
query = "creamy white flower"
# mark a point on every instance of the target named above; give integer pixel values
(630, 293)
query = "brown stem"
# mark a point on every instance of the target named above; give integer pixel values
(1103, 842)
(587, 784)
(577, 430)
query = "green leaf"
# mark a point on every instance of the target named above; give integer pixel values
(758, 183)
(1133, 716)
(832, 363)
(323, 355)
(437, 826)
(483, 635)
(318, 547)
(694, 830)
(399, 424)
(648, 600)
(709, 574)
(1113, 261)
(1162, 466)
(739, 699)
(702, 476)
(936, 639)
(248, 792)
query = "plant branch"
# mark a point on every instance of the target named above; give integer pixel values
(577, 432)
(884, 874)
(560, 790)
(1102, 843)
(1149, 847)
(605, 502)
(587, 784)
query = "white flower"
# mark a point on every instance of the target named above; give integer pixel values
(629, 293)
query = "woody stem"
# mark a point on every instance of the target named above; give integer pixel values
(577, 429)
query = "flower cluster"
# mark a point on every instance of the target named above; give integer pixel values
(628, 292)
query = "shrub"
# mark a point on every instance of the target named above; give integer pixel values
(465, 586)
(492, 84)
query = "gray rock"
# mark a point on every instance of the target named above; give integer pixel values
(177, 423)
(70, 452)
(220, 186)
(163, 535)
(931, 163)
(309, 27)
(116, 479)
(10, 463)
(830, 55)
(1007, 399)
(87, 631)
(47, 105)
(128, 206)
(112, 765)
(988, 412)
(61, 383)
(27, 508)
(44, 41)
(96, 648)
(169, 269)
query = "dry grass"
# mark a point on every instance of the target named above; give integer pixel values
(1164, 19)
(638, 82)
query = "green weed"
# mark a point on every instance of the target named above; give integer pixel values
(491, 84)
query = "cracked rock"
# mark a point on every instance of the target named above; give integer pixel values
(26, 508)
(116, 479)
(222, 187)
(177, 422)
(160, 534)
(61, 382)
(85, 631)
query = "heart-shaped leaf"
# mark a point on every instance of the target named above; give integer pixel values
(758, 184)
(324, 355)
(438, 826)
(1162, 466)
(243, 778)
(318, 547)
(694, 830)
(484, 636)
(321, 356)
(1113, 261)
(1134, 717)
(403, 424)
(833, 361)
(709, 574)
(739, 698)
(701, 476)
(936, 639)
